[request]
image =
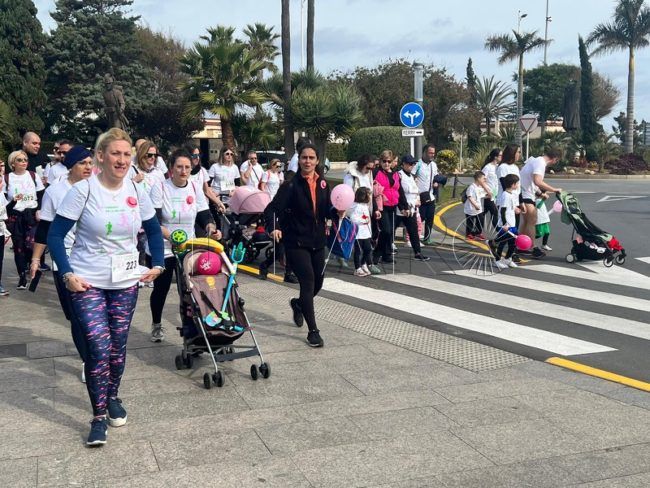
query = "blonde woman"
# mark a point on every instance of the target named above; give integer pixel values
(144, 170)
(223, 174)
(272, 178)
(102, 272)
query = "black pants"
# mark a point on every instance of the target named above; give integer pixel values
(386, 233)
(308, 266)
(504, 239)
(278, 255)
(78, 335)
(362, 253)
(411, 226)
(427, 213)
(161, 287)
(489, 207)
(473, 225)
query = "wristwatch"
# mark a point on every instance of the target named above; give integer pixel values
(161, 268)
(67, 276)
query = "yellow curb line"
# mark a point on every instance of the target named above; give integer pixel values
(599, 373)
(438, 222)
(255, 271)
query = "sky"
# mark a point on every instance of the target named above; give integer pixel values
(350, 33)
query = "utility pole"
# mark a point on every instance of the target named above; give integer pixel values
(548, 20)
(302, 34)
(519, 17)
(418, 96)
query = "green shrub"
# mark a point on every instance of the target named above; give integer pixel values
(373, 140)
(447, 161)
(337, 152)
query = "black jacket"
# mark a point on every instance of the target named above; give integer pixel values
(293, 211)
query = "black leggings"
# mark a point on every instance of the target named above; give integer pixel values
(161, 287)
(308, 266)
(387, 224)
(489, 207)
(411, 226)
(505, 239)
(427, 213)
(362, 252)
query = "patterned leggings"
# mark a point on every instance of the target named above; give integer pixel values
(105, 317)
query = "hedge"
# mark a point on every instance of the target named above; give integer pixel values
(373, 140)
(337, 152)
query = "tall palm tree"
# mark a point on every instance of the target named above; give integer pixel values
(310, 34)
(286, 77)
(492, 99)
(514, 47)
(261, 42)
(222, 76)
(628, 31)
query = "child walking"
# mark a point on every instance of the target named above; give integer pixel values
(359, 213)
(508, 208)
(474, 207)
(543, 226)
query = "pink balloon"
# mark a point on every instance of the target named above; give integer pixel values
(523, 242)
(342, 197)
(209, 263)
(557, 206)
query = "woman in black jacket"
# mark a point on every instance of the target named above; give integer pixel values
(301, 210)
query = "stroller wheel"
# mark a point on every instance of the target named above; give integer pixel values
(218, 379)
(207, 381)
(619, 259)
(254, 372)
(608, 262)
(265, 369)
(570, 258)
(178, 361)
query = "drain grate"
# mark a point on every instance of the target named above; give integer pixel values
(443, 347)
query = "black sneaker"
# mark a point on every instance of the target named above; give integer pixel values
(298, 318)
(421, 257)
(290, 278)
(97, 436)
(314, 339)
(22, 282)
(264, 271)
(538, 253)
(116, 412)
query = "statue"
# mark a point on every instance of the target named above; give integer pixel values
(114, 104)
(571, 107)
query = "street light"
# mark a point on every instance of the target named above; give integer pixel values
(548, 20)
(519, 17)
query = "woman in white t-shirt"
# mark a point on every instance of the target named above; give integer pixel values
(223, 174)
(144, 170)
(272, 178)
(102, 272)
(24, 190)
(180, 205)
(78, 162)
(492, 184)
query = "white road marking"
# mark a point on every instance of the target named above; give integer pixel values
(615, 275)
(644, 260)
(520, 334)
(530, 286)
(616, 198)
(513, 302)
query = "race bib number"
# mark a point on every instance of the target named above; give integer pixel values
(227, 185)
(125, 267)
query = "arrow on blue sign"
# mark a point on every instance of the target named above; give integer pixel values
(411, 115)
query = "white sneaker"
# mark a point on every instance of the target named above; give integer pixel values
(407, 243)
(360, 272)
(365, 269)
(82, 376)
(511, 263)
(501, 264)
(546, 247)
(150, 284)
(157, 333)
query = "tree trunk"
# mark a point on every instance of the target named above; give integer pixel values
(310, 34)
(487, 125)
(520, 100)
(286, 79)
(629, 131)
(227, 135)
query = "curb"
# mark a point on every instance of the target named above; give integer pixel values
(599, 373)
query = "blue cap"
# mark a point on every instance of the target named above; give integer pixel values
(76, 154)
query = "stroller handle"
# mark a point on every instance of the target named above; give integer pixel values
(201, 243)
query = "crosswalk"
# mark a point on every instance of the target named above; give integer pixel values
(578, 310)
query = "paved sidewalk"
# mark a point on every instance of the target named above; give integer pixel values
(384, 403)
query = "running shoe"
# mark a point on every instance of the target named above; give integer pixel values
(22, 282)
(481, 237)
(421, 257)
(374, 269)
(298, 318)
(116, 413)
(157, 333)
(290, 278)
(511, 264)
(501, 264)
(470, 237)
(98, 431)
(343, 262)
(366, 269)
(546, 247)
(314, 339)
(360, 272)
(538, 253)
(407, 243)
(3, 292)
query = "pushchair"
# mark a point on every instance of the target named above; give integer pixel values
(207, 326)
(590, 243)
(246, 223)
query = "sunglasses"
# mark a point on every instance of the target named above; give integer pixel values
(386, 160)
(195, 156)
(58, 151)
(152, 155)
(228, 154)
(20, 160)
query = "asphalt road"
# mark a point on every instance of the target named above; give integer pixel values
(583, 312)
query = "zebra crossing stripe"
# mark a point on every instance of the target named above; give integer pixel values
(595, 271)
(553, 311)
(509, 331)
(564, 290)
(644, 260)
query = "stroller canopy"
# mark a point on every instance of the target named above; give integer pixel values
(246, 200)
(572, 214)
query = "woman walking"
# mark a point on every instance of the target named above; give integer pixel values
(301, 210)
(489, 202)
(102, 272)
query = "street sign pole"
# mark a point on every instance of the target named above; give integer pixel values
(412, 146)
(527, 143)
(418, 96)
(527, 123)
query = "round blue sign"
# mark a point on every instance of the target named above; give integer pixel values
(411, 115)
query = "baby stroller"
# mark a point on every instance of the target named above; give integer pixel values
(246, 223)
(589, 241)
(207, 324)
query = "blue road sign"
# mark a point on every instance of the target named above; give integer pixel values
(411, 115)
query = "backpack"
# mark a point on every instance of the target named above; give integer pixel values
(31, 173)
(463, 195)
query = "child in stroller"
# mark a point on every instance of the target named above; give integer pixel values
(589, 241)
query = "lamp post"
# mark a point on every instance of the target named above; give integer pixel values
(548, 21)
(519, 17)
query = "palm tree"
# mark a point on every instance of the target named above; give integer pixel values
(222, 76)
(286, 78)
(261, 42)
(492, 99)
(310, 34)
(514, 47)
(629, 30)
